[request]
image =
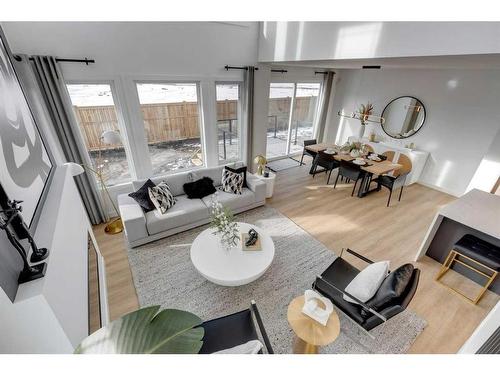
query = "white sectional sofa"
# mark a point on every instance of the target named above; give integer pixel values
(141, 227)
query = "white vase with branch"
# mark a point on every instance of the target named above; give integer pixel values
(364, 112)
(225, 226)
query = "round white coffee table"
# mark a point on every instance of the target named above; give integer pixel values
(232, 267)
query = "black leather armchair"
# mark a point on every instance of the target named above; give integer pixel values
(334, 280)
(232, 330)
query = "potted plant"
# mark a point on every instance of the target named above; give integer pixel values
(147, 331)
(225, 226)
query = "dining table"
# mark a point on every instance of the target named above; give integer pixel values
(370, 169)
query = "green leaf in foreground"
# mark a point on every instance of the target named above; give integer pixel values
(147, 331)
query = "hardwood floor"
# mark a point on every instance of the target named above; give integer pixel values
(365, 225)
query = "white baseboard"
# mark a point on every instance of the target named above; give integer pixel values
(442, 190)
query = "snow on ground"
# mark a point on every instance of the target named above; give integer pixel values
(83, 95)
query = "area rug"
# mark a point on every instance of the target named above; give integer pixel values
(283, 164)
(163, 275)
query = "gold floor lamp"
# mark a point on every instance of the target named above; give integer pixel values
(108, 137)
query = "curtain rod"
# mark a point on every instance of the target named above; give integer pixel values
(227, 67)
(279, 71)
(85, 60)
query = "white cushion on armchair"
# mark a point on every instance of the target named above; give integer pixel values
(366, 283)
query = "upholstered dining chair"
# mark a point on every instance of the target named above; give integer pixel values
(308, 142)
(397, 179)
(350, 171)
(389, 155)
(367, 148)
(327, 162)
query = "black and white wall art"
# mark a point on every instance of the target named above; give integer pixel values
(25, 163)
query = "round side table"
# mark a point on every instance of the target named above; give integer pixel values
(269, 181)
(309, 334)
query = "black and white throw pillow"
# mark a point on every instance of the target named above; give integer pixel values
(232, 182)
(241, 170)
(162, 197)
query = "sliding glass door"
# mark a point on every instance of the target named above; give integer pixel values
(278, 118)
(304, 115)
(291, 117)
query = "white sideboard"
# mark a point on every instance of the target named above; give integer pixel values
(418, 157)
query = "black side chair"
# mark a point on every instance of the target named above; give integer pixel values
(335, 279)
(232, 330)
(397, 181)
(325, 161)
(308, 142)
(350, 171)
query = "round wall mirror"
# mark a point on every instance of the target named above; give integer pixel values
(403, 117)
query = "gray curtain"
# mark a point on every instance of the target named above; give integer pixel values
(327, 89)
(52, 87)
(248, 110)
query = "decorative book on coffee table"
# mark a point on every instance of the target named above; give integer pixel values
(255, 247)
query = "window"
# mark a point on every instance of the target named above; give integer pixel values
(96, 113)
(288, 129)
(172, 122)
(228, 121)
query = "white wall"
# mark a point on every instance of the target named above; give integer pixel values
(462, 116)
(489, 170)
(121, 48)
(299, 41)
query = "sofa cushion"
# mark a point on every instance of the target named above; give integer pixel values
(232, 201)
(199, 188)
(141, 196)
(177, 180)
(185, 211)
(392, 287)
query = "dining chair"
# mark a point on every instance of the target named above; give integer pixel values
(367, 148)
(327, 162)
(350, 171)
(389, 155)
(397, 179)
(305, 151)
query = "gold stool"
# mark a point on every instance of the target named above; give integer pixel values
(453, 257)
